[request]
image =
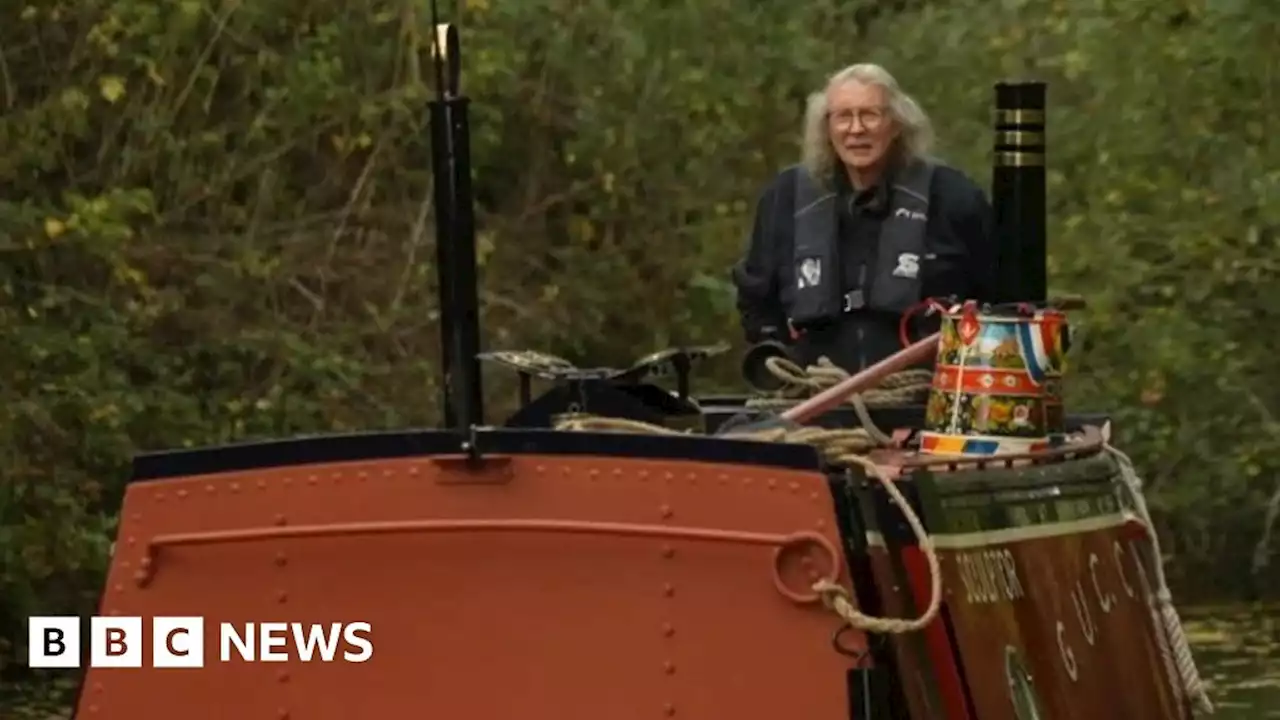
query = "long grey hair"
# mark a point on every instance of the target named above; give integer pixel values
(817, 153)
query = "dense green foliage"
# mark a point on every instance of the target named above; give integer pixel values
(215, 220)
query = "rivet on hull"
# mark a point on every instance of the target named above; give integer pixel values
(145, 569)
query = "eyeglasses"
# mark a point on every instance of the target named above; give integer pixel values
(869, 118)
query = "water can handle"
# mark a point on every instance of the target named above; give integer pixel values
(927, 306)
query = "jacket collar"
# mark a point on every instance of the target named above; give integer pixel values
(873, 200)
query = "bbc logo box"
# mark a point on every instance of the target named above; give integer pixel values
(56, 642)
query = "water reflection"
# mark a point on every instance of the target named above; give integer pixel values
(1238, 651)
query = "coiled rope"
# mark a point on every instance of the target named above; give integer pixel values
(1162, 601)
(909, 387)
(902, 388)
(840, 448)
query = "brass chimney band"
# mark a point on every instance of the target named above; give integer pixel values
(1020, 138)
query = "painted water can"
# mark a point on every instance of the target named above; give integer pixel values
(997, 384)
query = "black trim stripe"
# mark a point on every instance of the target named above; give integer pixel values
(415, 443)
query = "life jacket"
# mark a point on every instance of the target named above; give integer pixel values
(819, 294)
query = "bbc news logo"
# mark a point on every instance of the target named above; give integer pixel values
(179, 642)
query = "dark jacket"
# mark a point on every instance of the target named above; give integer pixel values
(959, 260)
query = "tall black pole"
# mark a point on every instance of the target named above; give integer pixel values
(1018, 192)
(455, 234)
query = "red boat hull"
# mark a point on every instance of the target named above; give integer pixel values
(1047, 598)
(1061, 612)
(547, 584)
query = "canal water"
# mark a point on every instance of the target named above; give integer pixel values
(1238, 652)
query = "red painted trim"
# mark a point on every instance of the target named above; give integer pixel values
(971, 381)
(941, 654)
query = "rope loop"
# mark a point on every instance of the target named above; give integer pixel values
(1178, 656)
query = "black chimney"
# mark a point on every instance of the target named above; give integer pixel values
(463, 401)
(1018, 192)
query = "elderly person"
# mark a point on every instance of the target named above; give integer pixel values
(865, 228)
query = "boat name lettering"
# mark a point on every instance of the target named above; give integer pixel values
(1083, 614)
(1068, 655)
(1080, 600)
(1118, 553)
(1105, 598)
(989, 576)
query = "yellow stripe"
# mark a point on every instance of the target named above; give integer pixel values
(1019, 138)
(1019, 116)
(1019, 159)
(969, 540)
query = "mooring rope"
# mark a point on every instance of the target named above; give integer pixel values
(841, 448)
(1185, 661)
(908, 387)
